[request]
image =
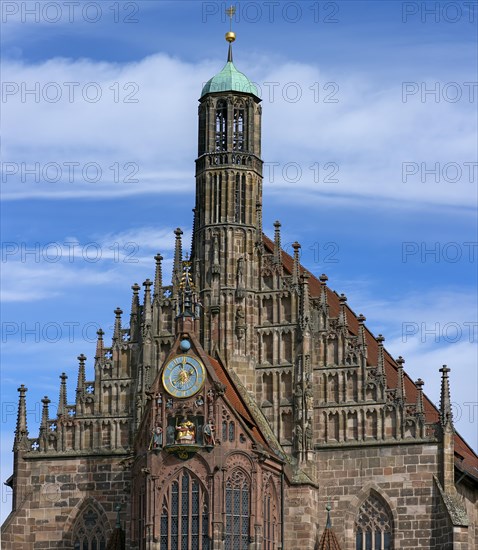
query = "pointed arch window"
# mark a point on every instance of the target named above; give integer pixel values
(184, 523)
(238, 130)
(373, 526)
(88, 533)
(221, 127)
(237, 511)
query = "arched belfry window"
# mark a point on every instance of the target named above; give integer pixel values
(238, 130)
(237, 511)
(221, 127)
(373, 526)
(271, 517)
(88, 533)
(185, 515)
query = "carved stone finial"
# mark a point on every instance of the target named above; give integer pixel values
(99, 343)
(446, 415)
(158, 275)
(117, 330)
(21, 433)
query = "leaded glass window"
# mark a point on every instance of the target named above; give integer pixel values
(184, 523)
(373, 526)
(237, 512)
(88, 533)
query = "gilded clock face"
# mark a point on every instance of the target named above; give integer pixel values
(183, 376)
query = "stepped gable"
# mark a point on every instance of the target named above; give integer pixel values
(465, 458)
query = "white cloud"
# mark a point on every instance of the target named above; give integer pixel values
(368, 133)
(51, 270)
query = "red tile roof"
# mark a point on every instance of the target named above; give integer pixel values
(237, 402)
(328, 540)
(469, 462)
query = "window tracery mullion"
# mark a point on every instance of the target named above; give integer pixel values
(373, 526)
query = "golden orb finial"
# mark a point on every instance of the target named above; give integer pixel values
(230, 36)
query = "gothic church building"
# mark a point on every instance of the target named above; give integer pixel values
(244, 406)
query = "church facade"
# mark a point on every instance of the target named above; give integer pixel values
(244, 405)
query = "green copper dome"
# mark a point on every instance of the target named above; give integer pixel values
(229, 80)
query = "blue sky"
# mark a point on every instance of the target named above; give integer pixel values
(368, 168)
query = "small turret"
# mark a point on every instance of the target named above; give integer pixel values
(21, 433)
(362, 340)
(178, 259)
(328, 540)
(158, 276)
(62, 401)
(99, 343)
(81, 383)
(420, 408)
(448, 434)
(342, 321)
(446, 415)
(381, 360)
(117, 333)
(45, 415)
(135, 312)
(147, 309)
(277, 244)
(400, 379)
(296, 266)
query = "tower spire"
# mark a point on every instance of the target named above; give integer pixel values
(230, 35)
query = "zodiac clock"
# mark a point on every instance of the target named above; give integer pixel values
(183, 376)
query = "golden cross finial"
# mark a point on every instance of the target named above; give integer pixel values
(230, 13)
(230, 36)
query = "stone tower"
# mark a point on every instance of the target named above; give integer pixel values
(227, 224)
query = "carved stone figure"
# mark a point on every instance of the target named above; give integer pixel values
(157, 441)
(298, 436)
(309, 397)
(208, 431)
(308, 436)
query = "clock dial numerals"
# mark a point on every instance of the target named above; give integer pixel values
(183, 376)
